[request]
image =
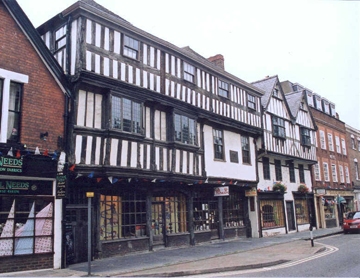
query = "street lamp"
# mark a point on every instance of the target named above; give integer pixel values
(89, 195)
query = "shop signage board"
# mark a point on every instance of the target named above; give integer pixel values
(221, 191)
(60, 186)
(251, 192)
(25, 187)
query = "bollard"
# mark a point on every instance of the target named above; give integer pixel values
(311, 236)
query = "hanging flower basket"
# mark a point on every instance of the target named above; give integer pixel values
(303, 188)
(279, 187)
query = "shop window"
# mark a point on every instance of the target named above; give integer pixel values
(206, 214)
(126, 115)
(122, 216)
(272, 213)
(233, 210)
(26, 225)
(175, 213)
(329, 209)
(302, 213)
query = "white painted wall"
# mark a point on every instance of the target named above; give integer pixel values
(227, 169)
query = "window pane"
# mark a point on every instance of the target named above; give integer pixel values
(177, 124)
(14, 112)
(116, 112)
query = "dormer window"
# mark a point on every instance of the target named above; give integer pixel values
(223, 89)
(131, 47)
(278, 126)
(326, 107)
(189, 72)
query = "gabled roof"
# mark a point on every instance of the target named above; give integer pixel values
(293, 100)
(30, 32)
(267, 85)
(92, 7)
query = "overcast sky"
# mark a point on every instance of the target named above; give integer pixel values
(314, 43)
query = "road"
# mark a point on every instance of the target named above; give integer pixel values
(342, 263)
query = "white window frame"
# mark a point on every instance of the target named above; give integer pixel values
(356, 166)
(8, 77)
(189, 72)
(341, 170)
(334, 173)
(337, 142)
(347, 176)
(317, 172)
(326, 171)
(343, 146)
(322, 140)
(330, 142)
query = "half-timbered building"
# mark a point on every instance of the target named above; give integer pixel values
(164, 137)
(33, 96)
(332, 187)
(286, 152)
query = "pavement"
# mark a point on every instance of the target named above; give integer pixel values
(217, 256)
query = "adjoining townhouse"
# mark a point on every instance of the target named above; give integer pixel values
(353, 144)
(331, 175)
(33, 94)
(164, 137)
(285, 155)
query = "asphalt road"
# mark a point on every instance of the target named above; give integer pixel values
(344, 262)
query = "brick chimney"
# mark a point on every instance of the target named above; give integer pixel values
(217, 60)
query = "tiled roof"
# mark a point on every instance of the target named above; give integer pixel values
(267, 85)
(293, 100)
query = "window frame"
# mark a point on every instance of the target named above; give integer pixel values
(60, 37)
(353, 146)
(343, 146)
(292, 172)
(251, 102)
(278, 171)
(301, 173)
(305, 136)
(330, 142)
(188, 72)
(136, 114)
(337, 143)
(218, 142)
(270, 217)
(278, 124)
(245, 150)
(317, 172)
(347, 175)
(223, 89)
(334, 173)
(326, 171)
(322, 139)
(341, 172)
(129, 48)
(178, 120)
(356, 166)
(266, 168)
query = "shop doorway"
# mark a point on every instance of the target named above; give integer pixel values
(214, 219)
(158, 223)
(76, 235)
(290, 215)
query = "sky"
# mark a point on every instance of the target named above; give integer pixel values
(315, 43)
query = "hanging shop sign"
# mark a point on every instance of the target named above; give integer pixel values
(221, 191)
(251, 192)
(60, 186)
(25, 187)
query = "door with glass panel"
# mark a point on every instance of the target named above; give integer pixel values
(158, 223)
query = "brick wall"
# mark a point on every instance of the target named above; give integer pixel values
(43, 100)
(26, 262)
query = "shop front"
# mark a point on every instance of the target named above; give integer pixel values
(139, 215)
(30, 214)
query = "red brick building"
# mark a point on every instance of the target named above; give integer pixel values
(32, 128)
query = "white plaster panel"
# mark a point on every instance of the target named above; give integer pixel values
(145, 54)
(106, 66)
(73, 46)
(141, 156)
(158, 59)
(88, 31)
(145, 79)
(152, 87)
(130, 74)
(114, 151)
(124, 153)
(138, 77)
(152, 57)
(117, 42)
(133, 159)
(98, 111)
(107, 39)
(157, 158)
(163, 126)
(157, 125)
(97, 150)
(81, 108)
(78, 147)
(148, 151)
(178, 63)
(173, 65)
(88, 60)
(123, 71)
(158, 83)
(88, 150)
(90, 109)
(97, 63)
(191, 164)
(115, 69)
(167, 67)
(177, 161)
(185, 162)
(97, 34)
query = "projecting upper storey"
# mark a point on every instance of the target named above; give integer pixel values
(86, 37)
